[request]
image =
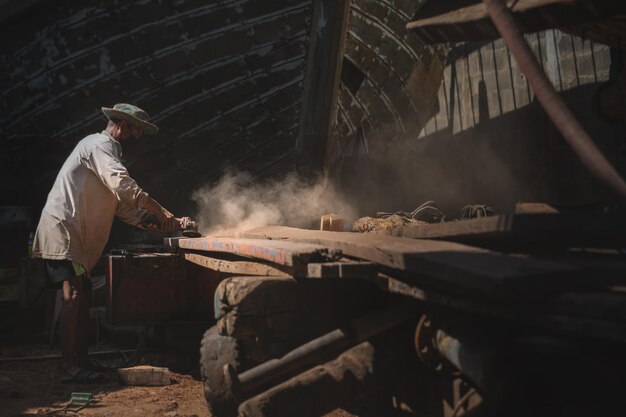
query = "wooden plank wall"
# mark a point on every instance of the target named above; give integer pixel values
(490, 140)
(482, 81)
(485, 140)
(223, 80)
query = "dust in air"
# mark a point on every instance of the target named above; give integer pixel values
(238, 201)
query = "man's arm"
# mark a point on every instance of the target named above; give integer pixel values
(166, 220)
(103, 160)
(141, 218)
(131, 215)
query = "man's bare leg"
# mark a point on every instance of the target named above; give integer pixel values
(82, 336)
(74, 322)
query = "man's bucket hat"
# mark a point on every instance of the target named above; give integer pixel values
(132, 114)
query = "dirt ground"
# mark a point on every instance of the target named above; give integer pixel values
(32, 387)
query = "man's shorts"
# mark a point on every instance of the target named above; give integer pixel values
(59, 270)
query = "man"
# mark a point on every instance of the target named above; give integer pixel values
(92, 187)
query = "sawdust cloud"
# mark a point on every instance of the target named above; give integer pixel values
(238, 201)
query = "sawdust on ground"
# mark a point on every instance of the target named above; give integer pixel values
(32, 387)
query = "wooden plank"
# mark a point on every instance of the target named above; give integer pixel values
(534, 208)
(605, 306)
(343, 269)
(438, 263)
(478, 12)
(556, 318)
(526, 230)
(281, 253)
(235, 267)
(472, 23)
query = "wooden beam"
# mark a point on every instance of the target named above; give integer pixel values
(440, 264)
(235, 267)
(528, 231)
(328, 28)
(535, 208)
(343, 269)
(281, 253)
(478, 12)
(472, 23)
(565, 314)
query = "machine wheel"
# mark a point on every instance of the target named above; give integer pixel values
(215, 352)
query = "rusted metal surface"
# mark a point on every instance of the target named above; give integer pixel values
(441, 352)
(150, 289)
(426, 348)
(559, 113)
(476, 361)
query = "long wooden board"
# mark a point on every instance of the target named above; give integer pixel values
(281, 253)
(439, 263)
(472, 23)
(528, 231)
(580, 314)
(235, 267)
(479, 12)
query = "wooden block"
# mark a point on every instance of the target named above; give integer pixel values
(534, 208)
(331, 222)
(144, 375)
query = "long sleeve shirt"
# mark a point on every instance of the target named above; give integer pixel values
(91, 188)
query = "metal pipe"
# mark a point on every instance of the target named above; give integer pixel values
(316, 351)
(489, 367)
(320, 389)
(573, 133)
